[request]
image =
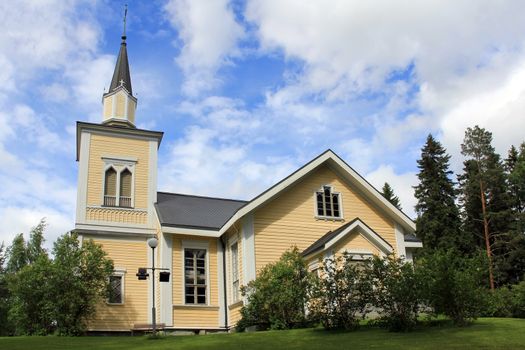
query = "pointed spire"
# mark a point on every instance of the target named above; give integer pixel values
(121, 76)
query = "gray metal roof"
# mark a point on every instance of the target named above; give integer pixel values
(188, 211)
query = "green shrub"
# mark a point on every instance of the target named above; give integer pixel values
(397, 292)
(453, 285)
(341, 296)
(518, 300)
(277, 297)
(498, 303)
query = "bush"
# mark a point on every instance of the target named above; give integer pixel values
(277, 297)
(498, 303)
(454, 285)
(341, 296)
(397, 292)
(518, 300)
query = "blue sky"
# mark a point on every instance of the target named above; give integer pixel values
(248, 91)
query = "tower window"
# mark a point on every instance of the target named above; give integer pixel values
(118, 186)
(110, 187)
(125, 189)
(328, 203)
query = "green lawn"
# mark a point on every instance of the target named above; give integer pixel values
(485, 333)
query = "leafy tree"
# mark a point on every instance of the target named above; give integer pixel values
(438, 222)
(17, 254)
(82, 272)
(453, 284)
(397, 292)
(388, 192)
(4, 293)
(36, 240)
(33, 293)
(340, 296)
(485, 198)
(277, 297)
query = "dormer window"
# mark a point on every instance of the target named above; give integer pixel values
(328, 203)
(118, 182)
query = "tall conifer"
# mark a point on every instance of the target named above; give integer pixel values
(388, 193)
(437, 223)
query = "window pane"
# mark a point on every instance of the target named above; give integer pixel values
(125, 183)
(188, 253)
(190, 299)
(201, 299)
(110, 185)
(115, 289)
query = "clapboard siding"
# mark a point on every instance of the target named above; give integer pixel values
(289, 220)
(102, 145)
(128, 255)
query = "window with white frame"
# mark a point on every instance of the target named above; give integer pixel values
(116, 289)
(234, 248)
(328, 203)
(118, 183)
(195, 276)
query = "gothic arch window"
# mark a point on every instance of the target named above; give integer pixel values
(110, 187)
(118, 182)
(328, 203)
(125, 188)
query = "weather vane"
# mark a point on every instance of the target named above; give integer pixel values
(125, 15)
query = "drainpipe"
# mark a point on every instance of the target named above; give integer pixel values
(224, 282)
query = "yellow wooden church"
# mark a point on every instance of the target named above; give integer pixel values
(211, 246)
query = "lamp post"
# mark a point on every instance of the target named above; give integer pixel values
(152, 243)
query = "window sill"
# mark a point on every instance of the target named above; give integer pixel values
(329, 218)
(114, 304)
(116, 207)
(196, 306)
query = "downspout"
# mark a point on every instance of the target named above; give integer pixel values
(224, 282)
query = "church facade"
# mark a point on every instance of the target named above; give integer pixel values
(211, 246)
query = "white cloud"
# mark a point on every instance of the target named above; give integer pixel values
(209, 35)
(402, 185)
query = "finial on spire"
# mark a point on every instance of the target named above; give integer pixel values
(125, 16)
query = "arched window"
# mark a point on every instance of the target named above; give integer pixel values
(125, 188)
(110, 187)
(328, 203)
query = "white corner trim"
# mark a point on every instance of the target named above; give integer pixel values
(166, 288)
(152, 181)
(150, 287)
(82, 186)
(400, 241)
(248, 249)
(220, 280)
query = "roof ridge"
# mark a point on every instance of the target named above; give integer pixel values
(207, 197)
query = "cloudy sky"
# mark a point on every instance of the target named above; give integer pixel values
(246, 92)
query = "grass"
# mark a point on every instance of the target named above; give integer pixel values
(486, 333)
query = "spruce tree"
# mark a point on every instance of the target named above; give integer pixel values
(484, 195)
(437, 223)
(388, 193)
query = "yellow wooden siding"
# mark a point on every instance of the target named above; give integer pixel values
(103, 145)
(108, 107)
(129, 255)
(121, 104)
(290, 219)
(132, 105)
(188, 315)
(234, 314)
(196, 316)
(118, 215)
(355, 242)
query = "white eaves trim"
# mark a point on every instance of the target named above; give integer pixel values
(413, 244)
(190, 231)
(350, 174)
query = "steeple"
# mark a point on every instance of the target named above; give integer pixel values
(121, 76)
(119, 102)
